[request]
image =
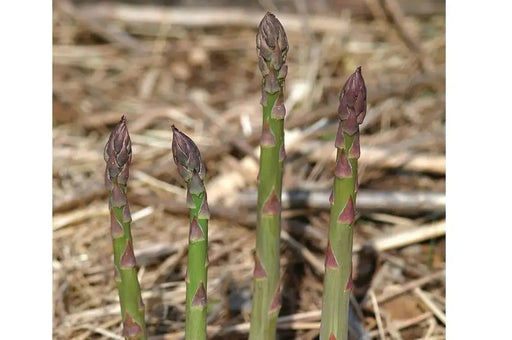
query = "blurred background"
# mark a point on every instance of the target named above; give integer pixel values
(193, 64)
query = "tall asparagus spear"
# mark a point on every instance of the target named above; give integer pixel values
(272, 47)
(338, 259)
(191, 168)
(118, 155)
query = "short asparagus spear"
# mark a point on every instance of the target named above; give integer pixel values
(191, 168)
(338, 259)
(272, 47)
(118, 155)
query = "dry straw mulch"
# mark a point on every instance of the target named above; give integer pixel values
(196, 68)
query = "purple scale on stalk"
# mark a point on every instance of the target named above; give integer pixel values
(275, 305)
(122, 178)
(350, 126)
(262, 64)
(259, 271)
(278, 110)
(130, 327)
(331, 197)
(267, 137)
(330, 258)
(118, 197)
(283, 72)
(272, 206)
(196, 185)
(332, 337)
(112, 168)
(343, 168)
(271, 85)
(350, 282)
(124, 154)
(355, 149)
(339, 142)
(263, 99)
(360, 108)
(282, 153)
(195, 231)
(347, 215)
(200, 296)
(190, 201)
(108, 181)
(204, 210)
(128, 257)
(127, 217)
(116, 229)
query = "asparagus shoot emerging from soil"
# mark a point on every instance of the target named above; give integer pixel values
(272, 47)
(338, 258)
(191, 168)
(118, 155)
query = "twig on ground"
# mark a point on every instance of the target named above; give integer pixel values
(431, 327)
(206, 17)
(307, 255)
(425, 299)
(377, 314)
(367, 200)
(413, 235)
(108, 31)
(410, 286)
(401, 324)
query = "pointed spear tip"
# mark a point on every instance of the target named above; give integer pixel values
(186, 155)
(269, 14)
(117, 152)
(271, 41)
(270, 19)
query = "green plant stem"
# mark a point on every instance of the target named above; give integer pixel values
(272, 47)
(338, 259)
(117, 155)
(190, 166)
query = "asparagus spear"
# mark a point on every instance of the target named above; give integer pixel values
(272, 47)
(338, 259)
(118, 155)
(191, 168)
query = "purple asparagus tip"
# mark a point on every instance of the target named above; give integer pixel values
(118, 153)
(271, 41)
(353, 102)
(186, 156)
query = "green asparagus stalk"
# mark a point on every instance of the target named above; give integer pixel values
(272, 47)
(338, 259)
(118, 155)
(191, 168)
